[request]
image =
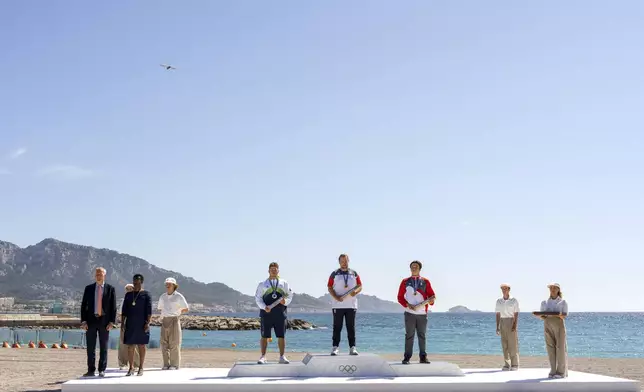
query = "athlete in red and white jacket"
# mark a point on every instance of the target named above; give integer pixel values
(414, 290)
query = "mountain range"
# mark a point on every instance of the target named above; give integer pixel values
(53, 269)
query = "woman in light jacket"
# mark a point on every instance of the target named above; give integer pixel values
(554, 329)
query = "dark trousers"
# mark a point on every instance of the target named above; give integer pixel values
(415, 324)
(97, 327)
(339, 316)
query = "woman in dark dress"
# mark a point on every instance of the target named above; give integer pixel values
(135, 322)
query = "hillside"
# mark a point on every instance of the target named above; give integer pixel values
(58, 269)
(53, 269)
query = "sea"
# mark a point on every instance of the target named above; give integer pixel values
(606, 335)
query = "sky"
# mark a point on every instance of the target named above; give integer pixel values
(494, 141)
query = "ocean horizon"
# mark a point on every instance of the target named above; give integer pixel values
(589, 334)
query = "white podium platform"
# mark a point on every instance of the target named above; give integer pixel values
(363, 365)
(323, 373)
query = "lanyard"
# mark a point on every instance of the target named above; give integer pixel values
(416, 285)
(345, 276)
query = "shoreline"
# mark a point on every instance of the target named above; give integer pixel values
(46, 369)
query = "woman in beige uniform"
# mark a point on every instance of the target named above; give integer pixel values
(554, 329)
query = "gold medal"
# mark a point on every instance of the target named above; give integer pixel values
(133, 303)
(416, 293)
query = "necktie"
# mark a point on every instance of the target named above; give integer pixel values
(99, 302)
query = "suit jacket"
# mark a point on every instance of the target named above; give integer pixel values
(109, 303)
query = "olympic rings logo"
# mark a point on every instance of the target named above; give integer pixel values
(349, 369)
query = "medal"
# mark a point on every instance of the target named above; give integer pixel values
(416, 286)
(274, 296)
(345, 276)
(133, 303)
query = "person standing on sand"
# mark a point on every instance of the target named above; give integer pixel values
(412, 292)
(171, 304)
(123, 358)
(272, 290)
(507, 317)
(136, 314)
(98, 317)
(554, 329)
(342, 281)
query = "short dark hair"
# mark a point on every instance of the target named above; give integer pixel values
(138, 276)
(346, 256)
(420, 265)
(273, 264)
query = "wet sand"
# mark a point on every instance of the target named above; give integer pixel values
(25, 369)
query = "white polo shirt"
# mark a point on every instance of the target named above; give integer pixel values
(558, 305)
(507, 307)
(171, 305)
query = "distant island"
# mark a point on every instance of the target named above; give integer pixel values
(51, 276)
(462, 309)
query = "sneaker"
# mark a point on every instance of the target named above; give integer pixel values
(165, 368)
(89, 374)
(353, 351)
(514, 368)
(173, 368)
(405, 361)
(557, 376)
(262, 360)
(423, 359)
(505, 368)
(335, 351)
(101, 374)
(283, 359)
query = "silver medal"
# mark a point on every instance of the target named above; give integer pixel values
(274, 296)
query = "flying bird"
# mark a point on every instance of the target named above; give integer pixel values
(167, 67)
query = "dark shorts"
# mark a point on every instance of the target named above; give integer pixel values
(275, 320)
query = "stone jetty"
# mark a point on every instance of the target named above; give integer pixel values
(222, 323)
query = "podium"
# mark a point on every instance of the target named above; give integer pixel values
(346, 366)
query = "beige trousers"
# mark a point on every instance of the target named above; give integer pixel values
(123, 360)
(171, 341)
(554, 330)
(509, 342)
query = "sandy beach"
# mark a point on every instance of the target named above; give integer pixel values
(46, 369)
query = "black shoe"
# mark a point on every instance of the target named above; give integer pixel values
(423, 359)
(89, 374)
(405, 361)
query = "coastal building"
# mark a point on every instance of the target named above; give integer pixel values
(7, 302)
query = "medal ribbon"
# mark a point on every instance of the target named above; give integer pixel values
(416, 285)
(345, 276)
(277, 283)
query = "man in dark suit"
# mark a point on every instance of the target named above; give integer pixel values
(98, 316)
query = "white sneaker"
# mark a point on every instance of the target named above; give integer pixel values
(173, 368)
(283, 359)
(353, 351)
(262, 360)
(165, 368)
(335, 351)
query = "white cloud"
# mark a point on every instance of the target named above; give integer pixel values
(17, 153)
(67, 172)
